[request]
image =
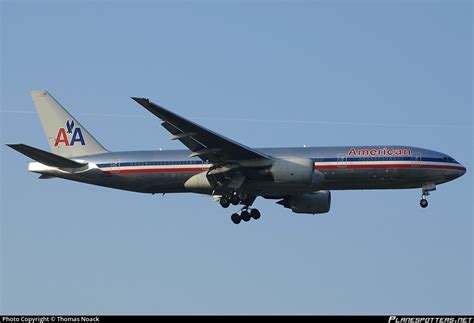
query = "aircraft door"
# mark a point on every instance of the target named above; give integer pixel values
(341, 160)
(416, 160)
(204, 165)
(115, 166)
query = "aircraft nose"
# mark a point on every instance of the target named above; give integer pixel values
(458, 171)
(455, 172)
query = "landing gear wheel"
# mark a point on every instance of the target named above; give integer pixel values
(234, 199)
(243, 196)
(224, 202)
(255, 214)
(425, 191)
(245, 215)
(423, 203)
(235, 218)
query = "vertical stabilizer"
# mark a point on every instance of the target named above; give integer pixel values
(66, 136)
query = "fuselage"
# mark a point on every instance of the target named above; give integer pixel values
(344, 167)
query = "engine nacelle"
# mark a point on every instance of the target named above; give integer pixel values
(292, 170)
(199, 184)
(311, 203)
(296, 170)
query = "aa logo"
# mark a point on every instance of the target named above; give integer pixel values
(64, 134)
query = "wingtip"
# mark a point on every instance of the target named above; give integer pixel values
(16, 147)
(142, 101)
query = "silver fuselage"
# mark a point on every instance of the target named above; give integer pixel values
(344, 168)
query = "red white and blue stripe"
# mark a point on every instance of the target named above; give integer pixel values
(193, 166)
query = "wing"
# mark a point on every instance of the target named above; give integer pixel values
(203, 143)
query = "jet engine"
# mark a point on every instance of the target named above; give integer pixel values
(295, 170)
(199, 183)
(310, 203)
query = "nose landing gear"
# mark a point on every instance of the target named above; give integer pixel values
(425, 191)
(423, 202)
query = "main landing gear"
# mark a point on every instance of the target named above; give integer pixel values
(425, 191)
(224, 201)
(246, 213)
(234, 199)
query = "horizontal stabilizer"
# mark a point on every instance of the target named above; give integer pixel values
(45, 157)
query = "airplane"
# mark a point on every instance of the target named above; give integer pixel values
(300, 179)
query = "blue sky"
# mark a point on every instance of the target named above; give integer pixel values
(265, 74)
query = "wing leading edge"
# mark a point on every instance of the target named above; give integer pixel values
(203, 143)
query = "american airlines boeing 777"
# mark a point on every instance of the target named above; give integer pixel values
(298, 178)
